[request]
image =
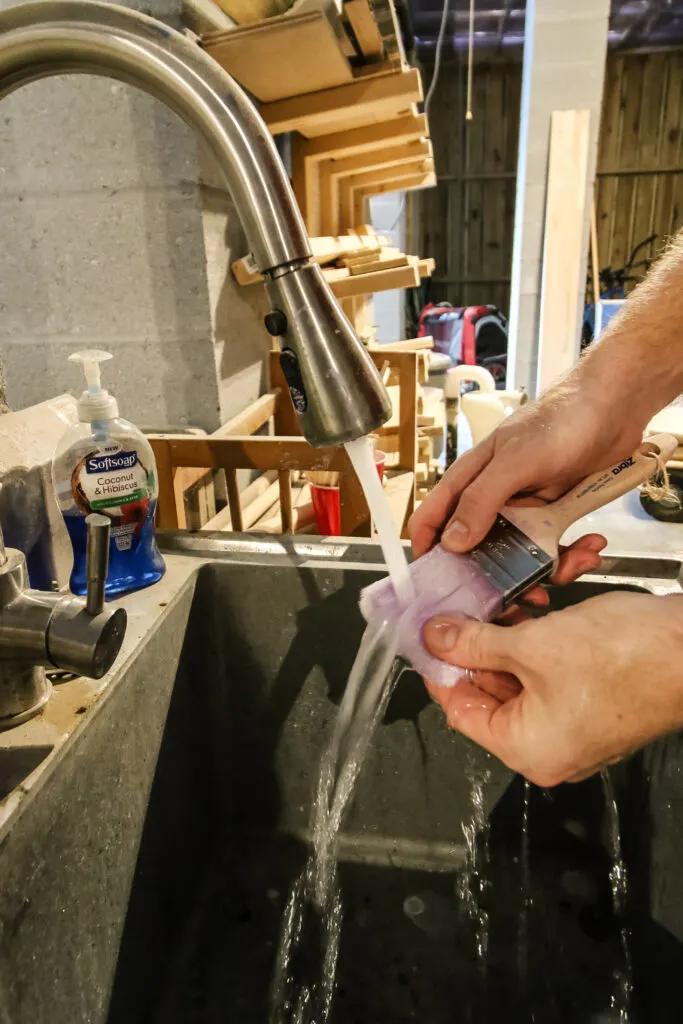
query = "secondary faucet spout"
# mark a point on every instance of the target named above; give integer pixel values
(335, 386)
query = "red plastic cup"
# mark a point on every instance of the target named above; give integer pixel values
(327, 510)
(327, 505)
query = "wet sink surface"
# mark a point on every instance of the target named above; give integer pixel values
(258, 686)
(389, 968)
(17, 763)
(144, 880)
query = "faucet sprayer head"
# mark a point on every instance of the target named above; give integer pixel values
(335, 386)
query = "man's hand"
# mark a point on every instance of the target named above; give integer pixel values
(560, 697)
(541, 451)
(556, 698)
(593, 418)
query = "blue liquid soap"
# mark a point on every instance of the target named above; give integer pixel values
(139, 566)
(106, 465)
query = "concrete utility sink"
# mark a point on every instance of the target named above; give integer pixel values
(145, 872)
(16, 764)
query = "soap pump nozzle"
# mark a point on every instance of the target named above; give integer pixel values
(95, 402)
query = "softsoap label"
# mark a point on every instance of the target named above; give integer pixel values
(114, 481)
(105, 463)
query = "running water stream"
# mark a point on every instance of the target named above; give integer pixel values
(623, 976)
(304, 978)
(472, 881)
(525, 872)
(303, 984)
(361, 454)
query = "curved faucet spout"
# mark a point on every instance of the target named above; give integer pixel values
(324, 360)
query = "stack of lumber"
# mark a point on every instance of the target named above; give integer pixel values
(431, 422)
(260, 502)
(333, 74)
(282, 57)
(431, 413)
(368, 29)
(284, 48)
(356, 264)
(279, 499)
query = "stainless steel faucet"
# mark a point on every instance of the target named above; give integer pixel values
(334, 384)
(38, 629)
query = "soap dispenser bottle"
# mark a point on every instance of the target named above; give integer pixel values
(105, 464)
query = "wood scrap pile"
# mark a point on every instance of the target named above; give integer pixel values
(357, 263)
(260, 503)
(333, 75)
(261, 42)
(431, 413)
(199, 473)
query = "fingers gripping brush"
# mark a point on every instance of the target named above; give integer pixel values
(521, 550)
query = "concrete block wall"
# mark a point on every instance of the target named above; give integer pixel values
(107, 243)
(564, 65)
(241, 343)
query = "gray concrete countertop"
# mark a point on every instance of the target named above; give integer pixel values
(74, 701)
(42, 741)
(629, 529)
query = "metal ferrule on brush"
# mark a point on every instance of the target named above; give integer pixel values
(511, 560)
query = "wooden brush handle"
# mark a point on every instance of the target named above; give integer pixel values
(546, 524)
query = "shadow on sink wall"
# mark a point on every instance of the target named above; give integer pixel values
(246, 658)
(265, 660)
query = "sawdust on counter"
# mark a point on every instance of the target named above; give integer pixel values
(70, 700)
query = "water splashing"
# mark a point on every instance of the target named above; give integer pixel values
(362, 456)
(472, 882)
(525, 866)
(313, 915)
(623, 976)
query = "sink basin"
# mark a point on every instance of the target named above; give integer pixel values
(16, 764)
(146, 882)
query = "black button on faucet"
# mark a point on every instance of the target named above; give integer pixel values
(276, 323)
(292, 371)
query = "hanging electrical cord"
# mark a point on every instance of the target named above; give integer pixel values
(432, 85)
(437, 54)
(470, 63)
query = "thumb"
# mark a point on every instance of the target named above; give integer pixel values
(471, 644)
(479, 504)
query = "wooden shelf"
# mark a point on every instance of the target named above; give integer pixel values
(324, 209)
(355, 137)
(363, 102)
(326, 249)
(378, 281)
(364, 28)
(247, 12)
(266, 58)
(355, 189)
(363, 264)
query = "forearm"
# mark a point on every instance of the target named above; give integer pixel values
(637, 366)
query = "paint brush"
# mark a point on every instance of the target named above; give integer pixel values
(520, 551)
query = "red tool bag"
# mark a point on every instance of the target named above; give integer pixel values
(469, 335)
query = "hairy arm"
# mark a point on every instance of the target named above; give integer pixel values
(593, 417)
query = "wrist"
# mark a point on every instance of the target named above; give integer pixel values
(623, 387)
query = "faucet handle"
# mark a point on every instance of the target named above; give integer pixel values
(96, 561)
(85, 637)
